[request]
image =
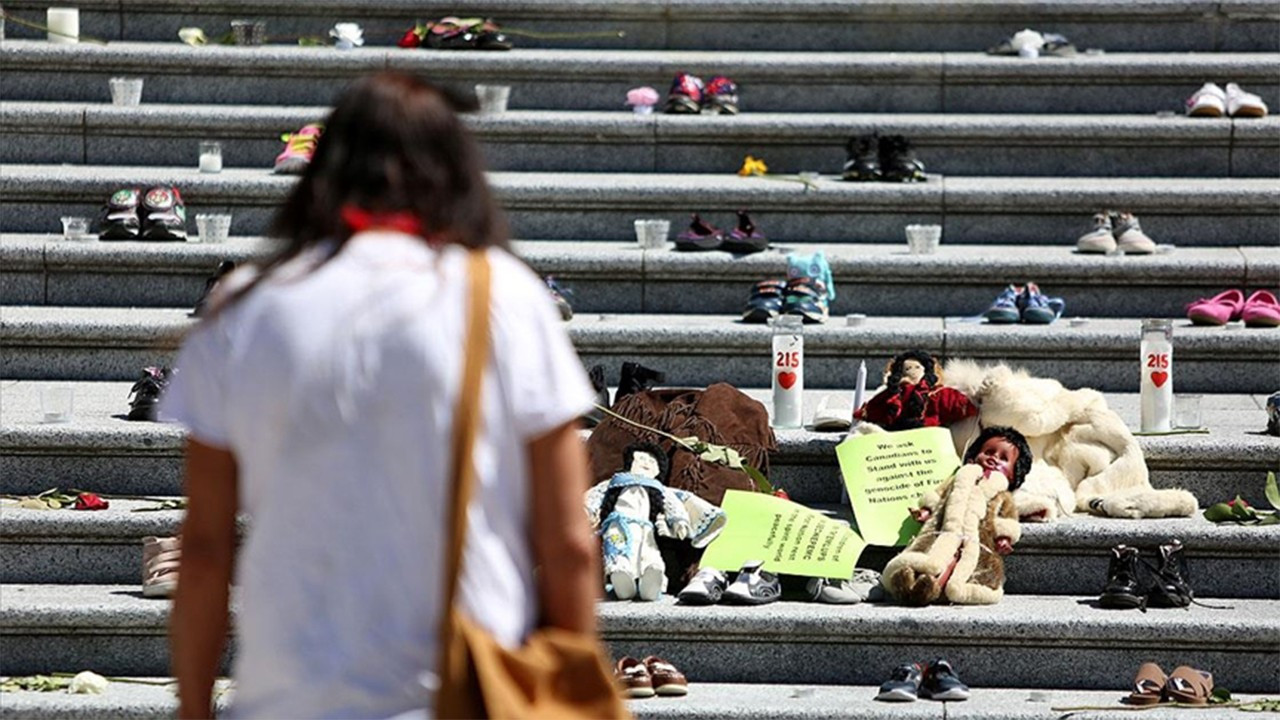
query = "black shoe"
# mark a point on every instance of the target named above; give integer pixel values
(1123, 589)
(863, 164)
(898, 161)
(163, 215)
(119, 220)
(595, 417)
(146, 393)
(1169, 586)
(941, 683)
(903, 684)
(637, 378)
(223, 269)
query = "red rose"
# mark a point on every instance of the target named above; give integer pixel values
(90, 501)
(410, 39)
(1242, 501)
(779, 492)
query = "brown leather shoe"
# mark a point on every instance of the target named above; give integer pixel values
(633, 678)
(666, 679)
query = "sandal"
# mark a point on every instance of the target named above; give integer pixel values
(1189, 685)
(1148, 686)
(699, 236)
(745, 239)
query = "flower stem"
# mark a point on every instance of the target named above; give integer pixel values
(38, 26)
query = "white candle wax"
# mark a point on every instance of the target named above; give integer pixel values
(1157, 384)
(860, 390)
(210, 162)
(788, 380)
(64, 24)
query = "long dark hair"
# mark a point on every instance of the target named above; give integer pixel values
(896, 369)
(393, 143)
(1021, 466)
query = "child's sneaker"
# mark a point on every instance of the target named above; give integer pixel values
(863, 163)
(1004, 311)
(807, 297)
(699, 236)
(746, 238)
(940, 682)
(686, 94)
(766, 302)
(163, 215)
(119, 219)
(1209, 101)
(898, 161)
(224, 268)
(1100, 239)
(299, 148)
(1038, 309)
(1244, 104)
(903, 684)
(146, 393)
(720, 96)
(1129, 235)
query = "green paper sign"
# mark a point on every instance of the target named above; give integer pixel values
(886, 473)
(790, 538)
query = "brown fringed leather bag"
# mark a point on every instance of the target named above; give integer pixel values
(557, 673)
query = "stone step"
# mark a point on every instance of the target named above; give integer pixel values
(1062, 558)
(917, 82)
(550, 141)
(554, 206)
(705, 701)
(102, 452)
(902, 25)
(1017, 643)
(873, 279)
(49, 343)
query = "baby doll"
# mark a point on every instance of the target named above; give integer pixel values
(969, 522)
(914, 396)
(633, 508)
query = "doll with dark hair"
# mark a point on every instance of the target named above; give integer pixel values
(970, 521)
(914, 396)
(635, 507)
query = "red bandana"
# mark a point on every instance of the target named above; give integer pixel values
(359, 220)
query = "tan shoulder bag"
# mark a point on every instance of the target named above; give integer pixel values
(557, 673)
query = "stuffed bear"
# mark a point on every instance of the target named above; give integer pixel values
(969, 522)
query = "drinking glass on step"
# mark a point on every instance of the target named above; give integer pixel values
(213, 228)
(1186, 412)
(249, 33)
(493, 98)
(652, 234)
(924, 239)
(56, 403)
(75, 228)
(126, 92)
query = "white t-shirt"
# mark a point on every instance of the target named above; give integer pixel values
(335, 388)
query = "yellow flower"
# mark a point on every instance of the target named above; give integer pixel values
(752, 166)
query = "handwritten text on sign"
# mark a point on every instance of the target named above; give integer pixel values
(886, 473)
(790, 538)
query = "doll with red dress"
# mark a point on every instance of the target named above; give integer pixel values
(915, 397)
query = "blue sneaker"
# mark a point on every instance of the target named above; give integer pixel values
(1004, 311)
(1038, 309)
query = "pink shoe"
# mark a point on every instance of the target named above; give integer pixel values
(298, 149)
(1217, 310)
(1261, 310)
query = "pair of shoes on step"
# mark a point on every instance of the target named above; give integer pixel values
(753, 585)
(649, 677)
(633, 378)
(131, 214)
(808, 292)
(690, 96)
(876, 158)
(1212, 101)
(744, 239)
(1261, 309)
(936, 680)
(1135, 582)
(863, 586)
(452, 33)
(1024, 304)
(1116, 232)
(1185, 684)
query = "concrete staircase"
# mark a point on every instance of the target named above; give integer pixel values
(1021, 154)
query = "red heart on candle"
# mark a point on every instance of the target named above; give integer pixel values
(786, 380)
(1159, 377)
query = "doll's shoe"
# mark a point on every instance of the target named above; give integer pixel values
(1129, 235)
(753, 586)
(1100, 239)
(699, 236)
(1123, 589)
(1217, 310)
(1004, 311)
(766, 302)
(746, 238)
(903, 684)
(1038, 309)
(668, 681)
(633, 678)
(1261, 310)
(706, 588)
(940, 682)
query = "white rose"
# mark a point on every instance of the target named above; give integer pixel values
(87, 683)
